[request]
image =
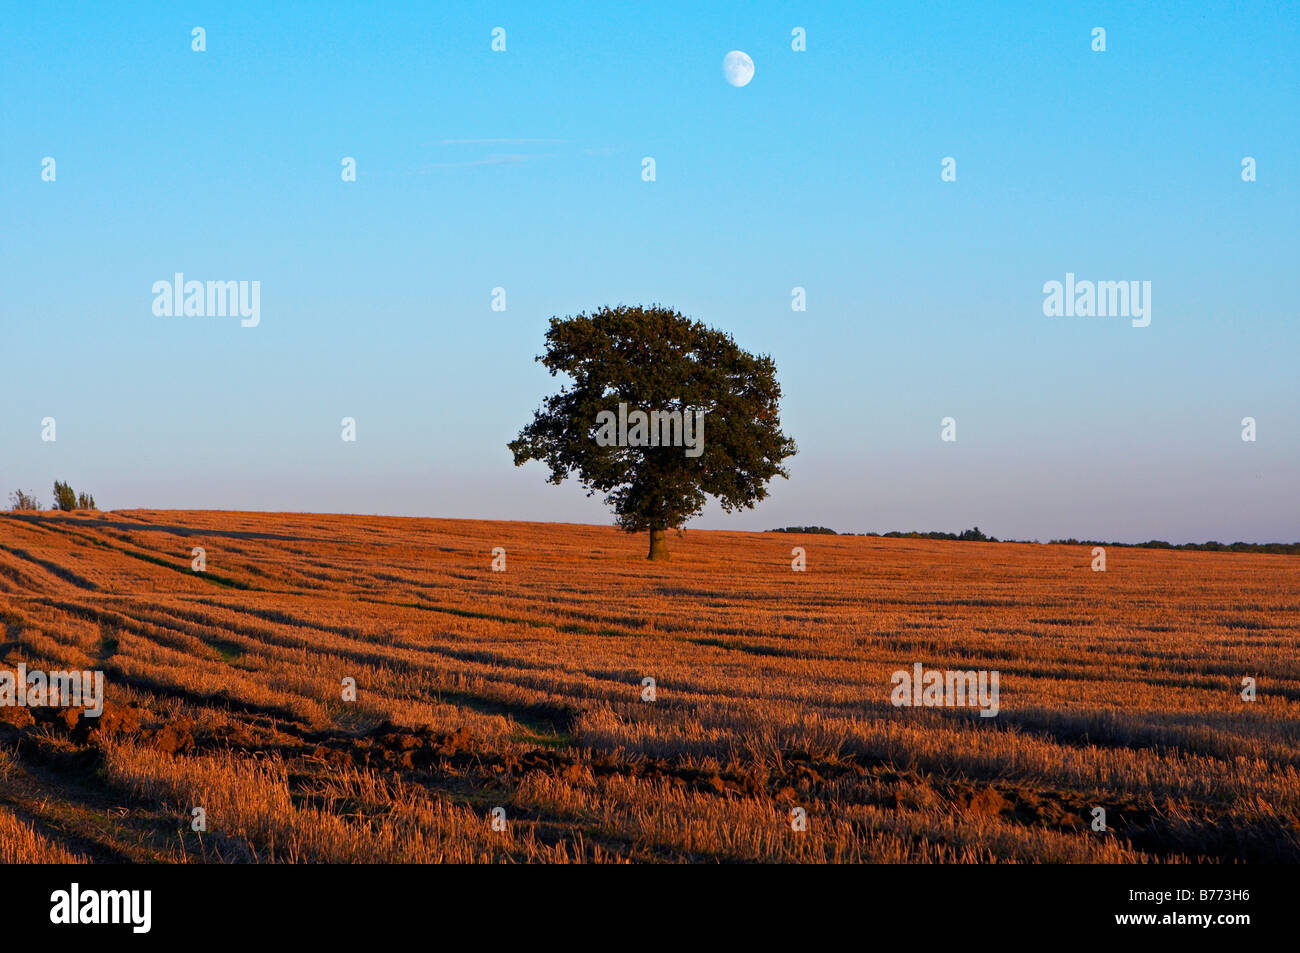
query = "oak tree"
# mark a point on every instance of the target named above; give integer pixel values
(655, 372)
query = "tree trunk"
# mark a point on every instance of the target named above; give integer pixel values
(658, 548)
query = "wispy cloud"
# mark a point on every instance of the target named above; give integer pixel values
(513, 158)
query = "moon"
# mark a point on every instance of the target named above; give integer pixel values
(738, 68)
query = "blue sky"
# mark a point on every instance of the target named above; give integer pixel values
(522, 169)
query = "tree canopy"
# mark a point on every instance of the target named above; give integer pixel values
(655, 362)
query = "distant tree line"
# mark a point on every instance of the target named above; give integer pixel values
(65, 498)
(974, 534)
(1213, 546)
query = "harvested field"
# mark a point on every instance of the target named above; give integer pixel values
(523, 690)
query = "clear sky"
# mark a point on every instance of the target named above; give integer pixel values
(522, 169)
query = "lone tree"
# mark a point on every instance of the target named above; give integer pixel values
(20, 500)
(64, 497)
(630, 425)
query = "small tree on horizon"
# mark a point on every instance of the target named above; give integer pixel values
(655, 359)
(64, 497)
(20, 500)
(67, 500)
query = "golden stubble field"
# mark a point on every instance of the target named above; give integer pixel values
(523, 690)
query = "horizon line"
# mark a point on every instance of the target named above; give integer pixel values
(928, 535)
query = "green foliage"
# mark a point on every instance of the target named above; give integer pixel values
(966, 534)
(1280, 549)
(805, 529)
(64, 497)
(656, 359)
